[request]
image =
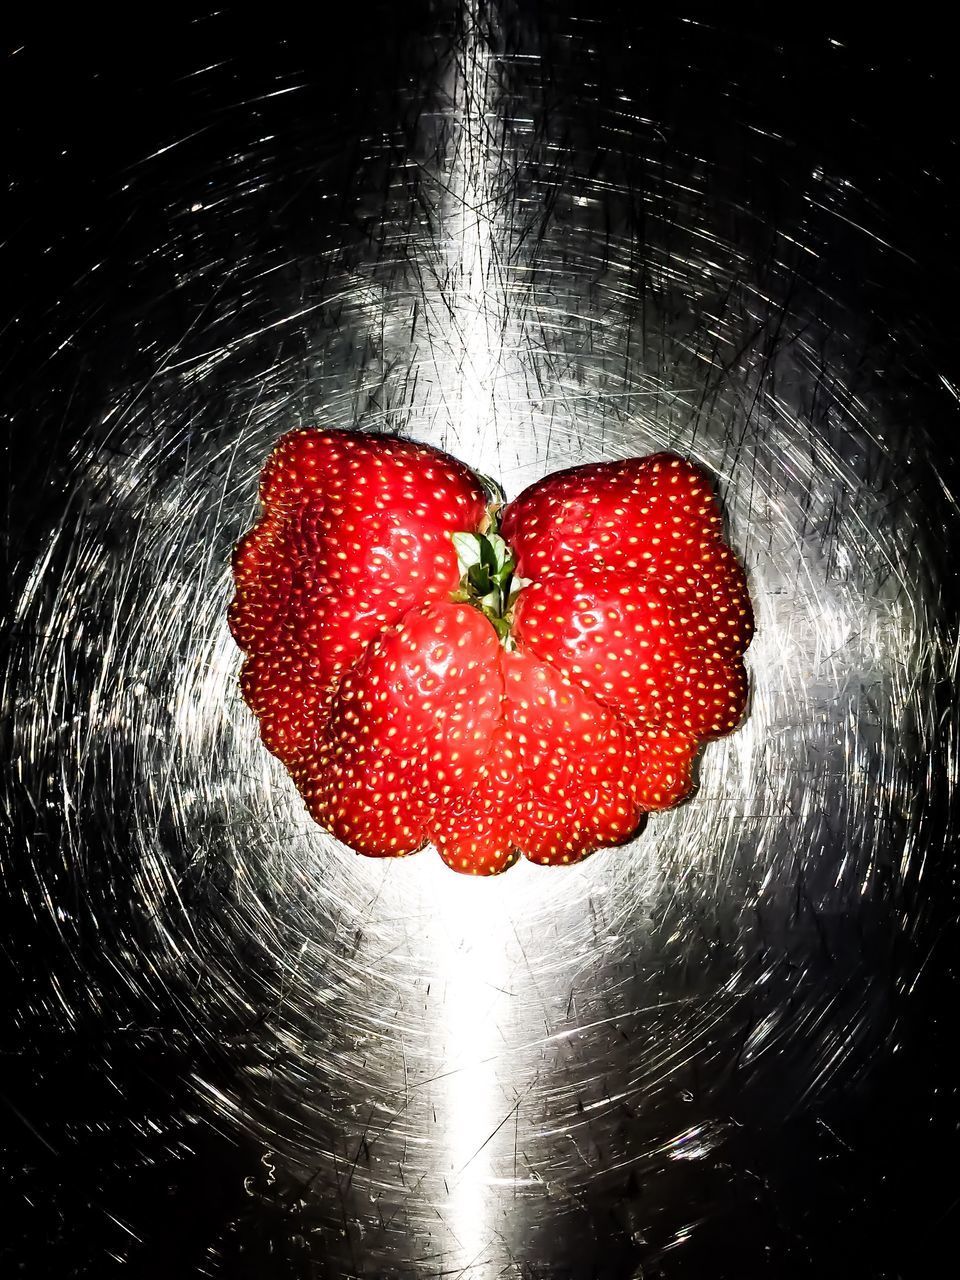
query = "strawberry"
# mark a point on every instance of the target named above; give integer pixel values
(495, 681)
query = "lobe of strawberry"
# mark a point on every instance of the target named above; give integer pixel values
(410, 728)
(355, 532)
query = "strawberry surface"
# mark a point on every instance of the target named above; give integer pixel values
(655, 519)
(535, 693)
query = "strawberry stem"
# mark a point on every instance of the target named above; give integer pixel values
(495, 494)
(488, 578)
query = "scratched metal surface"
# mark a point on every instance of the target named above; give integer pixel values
(234, 1048)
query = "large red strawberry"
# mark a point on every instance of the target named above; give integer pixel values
(434, 669)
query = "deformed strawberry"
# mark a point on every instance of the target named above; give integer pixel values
(433, 668)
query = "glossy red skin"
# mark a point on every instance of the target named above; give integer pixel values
(402, 718)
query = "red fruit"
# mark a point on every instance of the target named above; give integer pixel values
(420, 698)
(410, 728)
(575, 762)
(356, 531)
(655, 519)
(282, 690)
(663, 778)
(609, 632)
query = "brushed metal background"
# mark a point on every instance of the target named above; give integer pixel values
(534, 237)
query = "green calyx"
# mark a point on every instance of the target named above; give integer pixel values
(488, 576)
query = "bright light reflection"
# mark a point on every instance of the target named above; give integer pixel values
(474, 943)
